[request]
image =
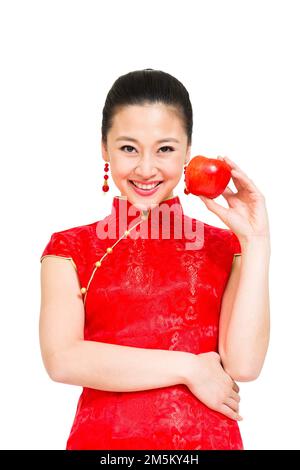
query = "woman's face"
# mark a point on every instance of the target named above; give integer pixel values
(135, 153)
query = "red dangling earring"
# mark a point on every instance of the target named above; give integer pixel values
(105, 186)
(185, 188)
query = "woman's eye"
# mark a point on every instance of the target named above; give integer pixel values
(167, 147)
(130, 147)
(127, 146)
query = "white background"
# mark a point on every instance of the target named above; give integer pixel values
(239, 61)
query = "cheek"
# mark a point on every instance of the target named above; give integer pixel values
(120, 170)
(173, 170)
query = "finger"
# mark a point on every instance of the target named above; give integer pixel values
(244, 181)
(236, 181)
(228, 195)
(236, 176)
(236, 387)
(235, 396)
(231, 163)
(233, 404)
(227, 411)
(236, 168)
(233, 166)
(224, 159)
(227, 192)
(214, 207)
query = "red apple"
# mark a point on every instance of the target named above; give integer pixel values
(206, 176)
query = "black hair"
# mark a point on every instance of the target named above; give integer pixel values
(147, 86)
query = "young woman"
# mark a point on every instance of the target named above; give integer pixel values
(157, 323)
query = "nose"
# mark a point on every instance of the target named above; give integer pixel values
(146, 167)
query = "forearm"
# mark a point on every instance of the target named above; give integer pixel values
(120, 368)
(249, 327)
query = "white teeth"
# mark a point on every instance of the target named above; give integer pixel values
(145, 186)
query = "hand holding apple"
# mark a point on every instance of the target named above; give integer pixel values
(246, 214)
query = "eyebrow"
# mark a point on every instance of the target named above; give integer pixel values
(166, 139)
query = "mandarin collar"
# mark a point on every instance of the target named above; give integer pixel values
(124, 212)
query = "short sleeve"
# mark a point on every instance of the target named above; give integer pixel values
(235, 245)
(59, 245)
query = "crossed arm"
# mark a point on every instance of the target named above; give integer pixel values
(69, 358)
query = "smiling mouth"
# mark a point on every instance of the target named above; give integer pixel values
(145, 189)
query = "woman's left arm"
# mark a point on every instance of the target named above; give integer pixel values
(244, 327)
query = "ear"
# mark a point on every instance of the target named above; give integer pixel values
(188, 155)
(104, 152)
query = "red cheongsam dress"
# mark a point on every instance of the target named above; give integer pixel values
(155, 280)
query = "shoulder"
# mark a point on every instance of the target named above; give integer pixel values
(226, 238)
(71, 243)
(77, 232)
(218, 233)
(74, 235)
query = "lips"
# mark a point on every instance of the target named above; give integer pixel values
(144, 192)
(146, 184)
